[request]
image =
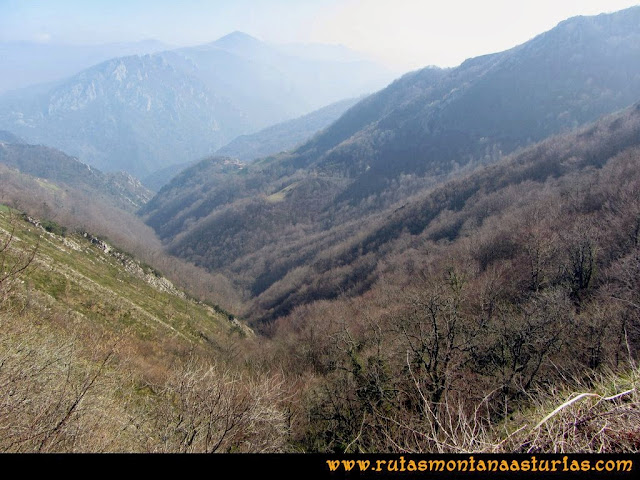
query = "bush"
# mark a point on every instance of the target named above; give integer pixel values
(53, 227)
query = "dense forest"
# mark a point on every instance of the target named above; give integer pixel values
(499, 288)
(285, 215)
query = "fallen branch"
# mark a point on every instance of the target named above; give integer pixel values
(575, 399)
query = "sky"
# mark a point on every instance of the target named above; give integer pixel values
(403, 34)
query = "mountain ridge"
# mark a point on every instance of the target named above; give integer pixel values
(121, 189)
(27, 64)
(423, 129)
(284, 136)
(144, 113)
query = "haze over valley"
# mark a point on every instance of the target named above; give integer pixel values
(144, 113)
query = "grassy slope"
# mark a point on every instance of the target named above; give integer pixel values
(70, 272)
(89, 341)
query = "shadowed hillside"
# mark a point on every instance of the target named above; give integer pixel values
(119, 189)
(499, 312)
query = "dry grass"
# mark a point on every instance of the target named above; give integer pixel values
(83, 369)
(601, 418)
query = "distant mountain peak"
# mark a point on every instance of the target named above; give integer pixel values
(144, 113)
(236, 39)
(8, 137)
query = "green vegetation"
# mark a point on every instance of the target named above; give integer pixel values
(470, 320)
(464, 318)
(96, 346)
(6, 209)
(280, 195)
(53, 227)
(104, 287)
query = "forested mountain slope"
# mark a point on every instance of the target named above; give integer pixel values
(432, 121)
(495, 306)
(466, 321)
(272, 140)
(284, 215)
(350, 258)
(119, 189)
(451, 266)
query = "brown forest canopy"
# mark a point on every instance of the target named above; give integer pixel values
(316, 219)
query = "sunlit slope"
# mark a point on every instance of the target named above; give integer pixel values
(106, 289)
(100, 353)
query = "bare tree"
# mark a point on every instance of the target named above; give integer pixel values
(205, 409)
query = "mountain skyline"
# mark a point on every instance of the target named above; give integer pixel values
(405, 35)
(33, 63)
(144, 113)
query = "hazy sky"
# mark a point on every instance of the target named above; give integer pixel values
(405, 34)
